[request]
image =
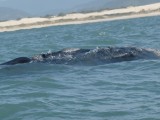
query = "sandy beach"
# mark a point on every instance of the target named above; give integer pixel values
(80, 18)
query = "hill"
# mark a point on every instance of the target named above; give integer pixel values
(97, 5)
(9, 13)
(42, 7)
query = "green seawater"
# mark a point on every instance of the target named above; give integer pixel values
(117, 91)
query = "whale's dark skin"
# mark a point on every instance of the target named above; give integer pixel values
(19, 60)
(89, 56)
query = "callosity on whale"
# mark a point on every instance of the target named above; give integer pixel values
(89, 56)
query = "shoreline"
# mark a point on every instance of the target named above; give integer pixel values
(81, 18)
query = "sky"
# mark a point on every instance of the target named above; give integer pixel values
(42, 6)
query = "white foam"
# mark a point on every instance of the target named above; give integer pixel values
(79, 18)
(70, 50)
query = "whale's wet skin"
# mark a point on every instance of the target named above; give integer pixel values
(89, 56)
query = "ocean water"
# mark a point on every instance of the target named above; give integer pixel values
(117, 91)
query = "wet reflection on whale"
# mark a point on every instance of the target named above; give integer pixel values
(96, 56)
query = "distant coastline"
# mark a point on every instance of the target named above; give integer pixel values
(80, 18)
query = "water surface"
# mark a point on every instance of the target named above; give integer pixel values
(119, 91)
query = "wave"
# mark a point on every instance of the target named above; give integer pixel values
(80, 18)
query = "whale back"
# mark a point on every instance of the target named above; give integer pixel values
(19, 60)
(95, 56)
(90, 56)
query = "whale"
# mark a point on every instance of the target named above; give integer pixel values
(99, 55)
(19, 60)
